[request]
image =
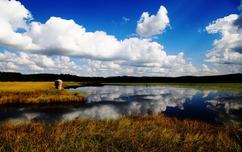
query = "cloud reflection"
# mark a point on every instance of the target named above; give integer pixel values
(112, 102)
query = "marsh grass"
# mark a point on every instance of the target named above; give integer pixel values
(233, 87)
(150, 133)
(35, 92)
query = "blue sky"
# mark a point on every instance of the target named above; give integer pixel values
(187, 21)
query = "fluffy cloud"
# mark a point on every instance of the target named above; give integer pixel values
(14, 17)
(18, 18)
(152, 25)
(53, 47)
(34, 63)
(22, 62)
(64, 37)
(227, 49)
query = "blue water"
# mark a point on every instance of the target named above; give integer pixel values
(112, 102)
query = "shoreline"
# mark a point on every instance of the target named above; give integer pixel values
(45, 93)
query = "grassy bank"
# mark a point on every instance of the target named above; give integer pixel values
(36, 92)
(153, 133)
(235, 87)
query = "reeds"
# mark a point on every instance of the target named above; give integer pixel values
(152, 133)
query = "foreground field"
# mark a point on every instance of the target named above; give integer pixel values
(36, 92)
(153, 133)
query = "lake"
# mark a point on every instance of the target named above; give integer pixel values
(112, 102)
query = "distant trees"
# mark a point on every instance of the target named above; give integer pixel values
(12, 76)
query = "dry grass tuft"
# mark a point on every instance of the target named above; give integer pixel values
(153, 133)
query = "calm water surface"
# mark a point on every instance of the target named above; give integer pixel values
(112, 102)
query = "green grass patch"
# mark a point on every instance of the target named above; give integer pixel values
(234, 87)
(75, 84)
(72, 84)
(74, 92)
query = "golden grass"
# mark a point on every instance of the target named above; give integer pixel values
(35, 92)
(152, 133)
(25, 86)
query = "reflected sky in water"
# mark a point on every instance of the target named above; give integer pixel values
(112, 102)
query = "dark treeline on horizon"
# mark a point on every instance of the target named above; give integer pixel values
(230, 78)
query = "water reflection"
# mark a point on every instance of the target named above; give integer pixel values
(116, 101)
(112, 102)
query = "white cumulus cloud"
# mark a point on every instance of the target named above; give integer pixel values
(13, 17)
(63, 46)
(150, 25)
(228, 48)
(35, 63)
